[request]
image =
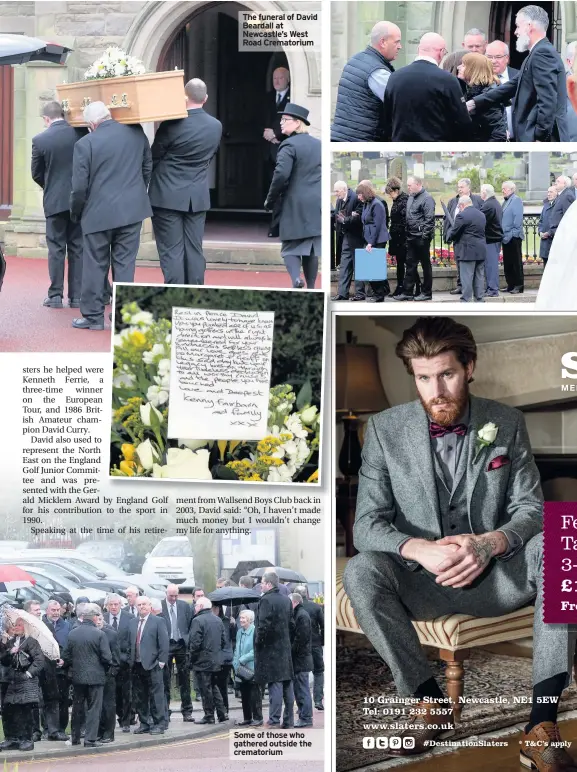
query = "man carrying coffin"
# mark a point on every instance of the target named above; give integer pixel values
(110, 174)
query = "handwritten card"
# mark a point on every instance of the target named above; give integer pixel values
(220, 374)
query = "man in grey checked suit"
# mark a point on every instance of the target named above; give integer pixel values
(448, 524)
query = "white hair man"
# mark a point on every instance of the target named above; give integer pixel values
(125, 624)
(463, 189)
(302, 661)
(349, 237)
(468, 235)
(493, 212)
(540, 98)
(206, 642)
(513, 234)
(565, 197)
(177, 614)
(362, 86)
(110, 174)
(545, 223)
(498, 54)
(132, 594)
(274, 134)
(150, 658)
(475, 40)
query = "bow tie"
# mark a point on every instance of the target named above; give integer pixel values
(436, 430)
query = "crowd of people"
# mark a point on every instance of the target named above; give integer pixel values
(100, 184)
(469, 95)
(116, 663)
(479, 227)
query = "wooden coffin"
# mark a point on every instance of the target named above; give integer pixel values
(155, 96)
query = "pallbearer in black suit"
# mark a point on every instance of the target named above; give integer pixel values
(52, 152)
(125, 625)
(297, 183)
(274, 134)
(110, 175)
(151, 656)
(468, 235)
(179, 189)
(178, 616)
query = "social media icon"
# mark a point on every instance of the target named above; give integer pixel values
(368, 742)
(382, 743)
(394, 742)
(408, 742)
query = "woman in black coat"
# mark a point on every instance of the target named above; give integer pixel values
(545, 223)
(476, 71)
(375, 233)
(297, 183)
(23, 660)
(398, 232)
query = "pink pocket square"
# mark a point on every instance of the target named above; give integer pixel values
(498, 462)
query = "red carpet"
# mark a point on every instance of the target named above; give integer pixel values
(25, 325)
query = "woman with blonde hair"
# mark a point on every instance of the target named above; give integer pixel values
(476, 72)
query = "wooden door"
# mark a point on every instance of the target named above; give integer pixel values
(6, 139)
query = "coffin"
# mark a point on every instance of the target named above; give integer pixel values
(155, 96)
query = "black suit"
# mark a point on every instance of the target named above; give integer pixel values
(468, 235)
(425, 104)
(317, 614)
(560, 206)
(349, 236)
(126, 628)
(52, 152)
(178, 652)
(147, 675)
(111, 172)
(452, 208)
(179, 193)
(206, 643)
(273, 122)
(538, 95)
(108, 713)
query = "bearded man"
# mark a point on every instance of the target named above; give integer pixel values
(449, 519)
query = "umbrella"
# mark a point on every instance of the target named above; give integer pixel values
(36, 629)
(284, 574)
(14, 578)
(233, 595)
(19, 49)
(244, 567)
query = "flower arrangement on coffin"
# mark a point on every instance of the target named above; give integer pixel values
(140, 395)
(114, 63)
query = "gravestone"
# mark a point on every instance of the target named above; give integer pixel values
(538, 176)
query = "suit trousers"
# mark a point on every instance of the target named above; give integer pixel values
(222, 679)
(148, 691)
(108, 713)
(418, 253)
(64, 237)
(210, 694)
(86, 709)
(117, 248)
(513, 264)
(401, 257)
(50, 714)
(279, 692)
(492, 267)
(303, 697)
(347, 270)
(310, 266)
(318, 674)
(179, 237)
(124, 694)
(386, 595)
(63, 701)
(251, 700)
(472, 280)
(178, 657)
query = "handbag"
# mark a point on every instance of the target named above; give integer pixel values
(22, 660)
(244, 673)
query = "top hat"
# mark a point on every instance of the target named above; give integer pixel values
(296, 111)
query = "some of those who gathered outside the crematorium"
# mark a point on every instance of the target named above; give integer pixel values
(468, 95)
(482, 230)
(99, 185)
(113, 666)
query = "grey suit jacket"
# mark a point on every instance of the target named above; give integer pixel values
(397, 497)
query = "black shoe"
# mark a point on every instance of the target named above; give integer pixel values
(302, 724)
(188, 717)
(126, 730)
(242, 723)
(374, 299)
(206, 720)
(96, 744)
(157, 730)
(222, 719)
(142, 730)
(53, 302)
(299, 284)
(456, 291)
(256, 723)
(319, 706)
(80, 323)
(402, 297)
(397, 292)
(287, 726)
(506, 289)
(74, 303)
(423, 297)
(61, 736)
(10, 745)
(36, 736)
(516, 291)
(338, 297)
(106, 740)
(26, 745)
(358, 298)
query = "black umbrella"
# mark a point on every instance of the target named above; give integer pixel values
(284, 574)
(244, 567)
(233, 595)
(19, 49)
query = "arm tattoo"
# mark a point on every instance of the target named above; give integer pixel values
(483, 550)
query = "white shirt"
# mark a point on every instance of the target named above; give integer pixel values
(280, 95)
(173, 633)
(504, 78)
(427, 59)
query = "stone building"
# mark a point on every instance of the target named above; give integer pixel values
(197, 36)
(352, 21)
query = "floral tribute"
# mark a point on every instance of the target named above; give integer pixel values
(114, 63)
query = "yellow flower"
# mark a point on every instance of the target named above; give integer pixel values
(137, 338)
(128, 467)
(314, 477)
(270, 461)
(254, 477)
(127, 450)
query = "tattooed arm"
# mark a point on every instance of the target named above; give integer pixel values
(471, 558)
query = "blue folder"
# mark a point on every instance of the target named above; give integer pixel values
(370, 266)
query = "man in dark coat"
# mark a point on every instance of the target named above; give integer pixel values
(273, 634)
(565, 197)
(539, 92)
(463, 189)
(545, 224)
(302, 656)
(498, 54)
(206, 644)
(178, 616)
(52, 152)
(87, 657)
(316, 613)
(274, 134)
(424, 103)
(493, 212)
(108, 712)
(151, 657)
(125, 625)
(60, 628)
(468, 235)
(420, 225)
(349, 236)
(179, 192)
(53, 682)
(359, 108)
(110, 174)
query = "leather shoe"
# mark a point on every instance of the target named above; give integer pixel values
(74, 303)
(142, 730)
(299, 284)
(80, 323)
(256, 723)
(96, 744)
(401, 298)
(516, 291)
(506, 289)
(205, 720)
(222, 719)
(156, 730)
(541, 750)
(456, 291)
(126, 730)
(242, 723)
(319, 706)
(36, 737)
(423, 726)
(26, 745)
(358, 298)
(9, 745)
(188, 718)
(302, 724)
(338, 297)
(374, 299)
(53, 302)
(106, 740)
(287, 726)
(58, 736)
(422, 297)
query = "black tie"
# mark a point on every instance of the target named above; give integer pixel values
(278, 98)
(115, 623)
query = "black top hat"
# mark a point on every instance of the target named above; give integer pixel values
(296, 111)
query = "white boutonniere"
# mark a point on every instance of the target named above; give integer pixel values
(486, 437)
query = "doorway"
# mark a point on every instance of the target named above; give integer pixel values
(502, 27)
